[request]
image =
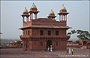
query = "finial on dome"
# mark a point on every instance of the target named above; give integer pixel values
(62, 4)
(25, 10)
(62, 8)
(25, 7)
(33, 6)
(51, 12)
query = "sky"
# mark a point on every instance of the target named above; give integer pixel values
(11, 11)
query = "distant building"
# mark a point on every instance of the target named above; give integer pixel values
(16, 44)
(85, 43)
(39, 33)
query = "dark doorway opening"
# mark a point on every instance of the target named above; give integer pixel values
(84, 43)
(49, 42)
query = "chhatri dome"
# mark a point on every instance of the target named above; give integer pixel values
(51, 12)
(25, 10)
(33, 6)
(63, 8)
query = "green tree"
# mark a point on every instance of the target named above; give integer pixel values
(80, 34)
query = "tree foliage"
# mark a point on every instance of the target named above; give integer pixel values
(81, 34)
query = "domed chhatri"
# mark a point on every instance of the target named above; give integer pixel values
(25, 14)
(51, 12)
(25, 10)
(63, 14)
(33, 6)
(63, 8)
(33, 10)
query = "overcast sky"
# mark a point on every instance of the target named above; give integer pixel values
(11, 11)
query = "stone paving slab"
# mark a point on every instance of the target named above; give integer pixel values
(20, 53)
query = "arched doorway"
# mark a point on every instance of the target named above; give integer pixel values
(49, 42)
(88, 46)
(84, 43)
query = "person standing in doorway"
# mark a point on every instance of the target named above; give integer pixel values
(48, 48)
(51, 48)
(72, 51)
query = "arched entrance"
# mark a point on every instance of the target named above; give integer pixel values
(88, 46)
(84, 43)
(49, 42)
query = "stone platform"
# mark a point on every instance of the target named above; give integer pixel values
(20, 53)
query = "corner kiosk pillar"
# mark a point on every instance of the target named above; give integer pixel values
(33, 10)
(63, 13)
(62, 17)
(27, 18)
(23, 18)
(66, 17)
(25, 14)
(35, 15)
(31, 15)
(51, 15)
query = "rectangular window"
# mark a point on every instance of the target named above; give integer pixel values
(49, 32)
(41, 32)
(57, 32)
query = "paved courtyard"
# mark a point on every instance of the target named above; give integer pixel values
(19, 53)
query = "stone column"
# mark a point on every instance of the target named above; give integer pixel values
(62, 17)
(27, 19)
(59, 17)
(35, 16)
(31, 16)
(23, 18)
(66, 17)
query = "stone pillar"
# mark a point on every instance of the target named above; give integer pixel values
(23, 18)
(28, 18)
(62, 17)
(59, 17)
(35, 16)
(31, 15)
(66, 17)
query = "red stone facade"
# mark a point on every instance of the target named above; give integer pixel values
(39, 33)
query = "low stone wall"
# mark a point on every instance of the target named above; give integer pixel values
(9, 47)
(76, 46)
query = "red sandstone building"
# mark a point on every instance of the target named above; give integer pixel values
(39, 33)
